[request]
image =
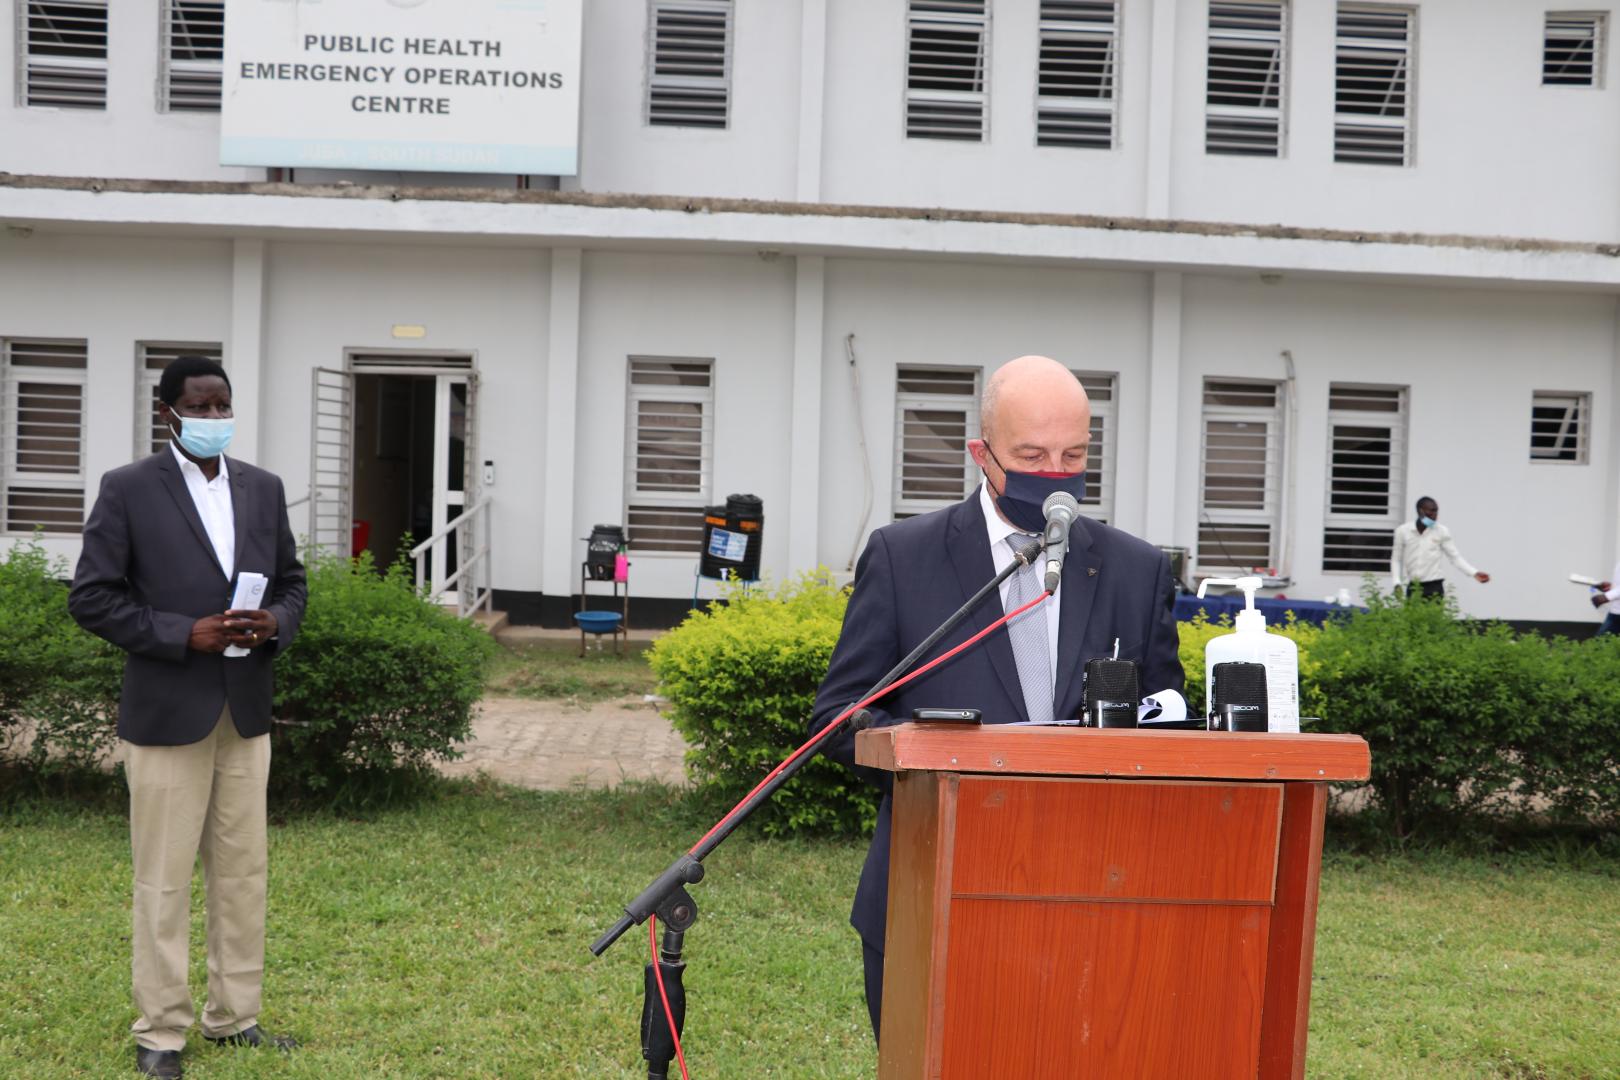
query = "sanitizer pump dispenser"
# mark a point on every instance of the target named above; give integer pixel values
(1251, 643)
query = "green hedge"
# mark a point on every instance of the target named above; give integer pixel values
(379, 681)
(54, 677)
(377, 685)
(1468, 723)
(741, 678)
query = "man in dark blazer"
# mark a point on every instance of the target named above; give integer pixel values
(1035, 423)
(163, 549)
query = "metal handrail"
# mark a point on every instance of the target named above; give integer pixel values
(467, 600)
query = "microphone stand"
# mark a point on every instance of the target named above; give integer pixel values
(667, 897)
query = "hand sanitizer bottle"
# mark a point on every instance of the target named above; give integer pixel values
(1251, 643)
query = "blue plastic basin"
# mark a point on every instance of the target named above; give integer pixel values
(597, 622)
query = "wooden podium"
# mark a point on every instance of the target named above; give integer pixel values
(1068, 902)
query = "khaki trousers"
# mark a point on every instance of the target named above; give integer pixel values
(208, 798)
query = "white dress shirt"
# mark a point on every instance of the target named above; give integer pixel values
(1416, 556)
(999, 530)
(213, 501)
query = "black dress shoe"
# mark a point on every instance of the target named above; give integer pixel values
(255, 1036)
(164, 1063)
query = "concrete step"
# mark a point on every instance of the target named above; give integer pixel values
(492, 621)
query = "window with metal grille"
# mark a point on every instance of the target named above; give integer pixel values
(936, 412)
(1078, 77)
(151, 357)
(689, 63)
(1558, 423)
(1366, 482)
(1243, 95)
(62, 53)
(1572, 53)
(193, 55)
(1372, 99)
(42, 386)
(1099, 500)
(1239, 519)
(669, 459)
(947, 63)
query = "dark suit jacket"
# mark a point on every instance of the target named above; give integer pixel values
(915, 573)
(148, 572)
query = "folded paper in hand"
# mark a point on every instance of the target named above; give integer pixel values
(249, 596)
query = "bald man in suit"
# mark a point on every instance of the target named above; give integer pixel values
(1035, 423)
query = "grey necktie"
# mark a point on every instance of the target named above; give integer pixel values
(1028, 636)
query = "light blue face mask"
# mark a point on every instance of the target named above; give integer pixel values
(205, 438)
(1426, 522)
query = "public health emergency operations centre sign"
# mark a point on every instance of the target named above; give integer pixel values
(487, 86)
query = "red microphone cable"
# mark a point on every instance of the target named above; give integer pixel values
(658, 972)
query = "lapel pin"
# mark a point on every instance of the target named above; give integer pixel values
(1091, 571)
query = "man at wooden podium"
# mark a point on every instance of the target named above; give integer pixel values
(1035, 427)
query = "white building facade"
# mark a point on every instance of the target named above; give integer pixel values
(1312, 259)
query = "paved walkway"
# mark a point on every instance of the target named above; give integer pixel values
(552, 745)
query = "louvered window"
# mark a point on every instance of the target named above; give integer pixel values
(42, 384)
(1099, 500)
(1372, 99)
(947, 62)
(1078, 77)
(689, 63)
(1247, 70)
(936, 412)
(1573, 51)
(193, 55)
(151, 357)
(669, 459)
(1366, 482)
(62, 46)
(1558, 423)
(1239, 522)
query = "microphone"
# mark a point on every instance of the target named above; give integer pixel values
(1238, 697)
(1111, 691)
(1060, 509)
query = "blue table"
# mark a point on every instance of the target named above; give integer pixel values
(1315, 612)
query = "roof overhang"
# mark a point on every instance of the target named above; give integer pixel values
(489, 217)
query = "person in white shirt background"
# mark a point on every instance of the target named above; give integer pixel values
(1415, 561)
(1606, 598)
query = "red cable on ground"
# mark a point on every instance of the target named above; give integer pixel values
(658, 974)
(652, 920)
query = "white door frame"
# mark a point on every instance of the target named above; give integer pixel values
(443, 365)
(448, 503)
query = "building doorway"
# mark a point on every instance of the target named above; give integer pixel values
(392, 458)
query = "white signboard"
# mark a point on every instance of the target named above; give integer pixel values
(488, 86)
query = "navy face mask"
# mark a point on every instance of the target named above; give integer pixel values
(1023, 494)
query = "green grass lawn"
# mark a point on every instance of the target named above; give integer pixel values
(555, 670)
(449, 940)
